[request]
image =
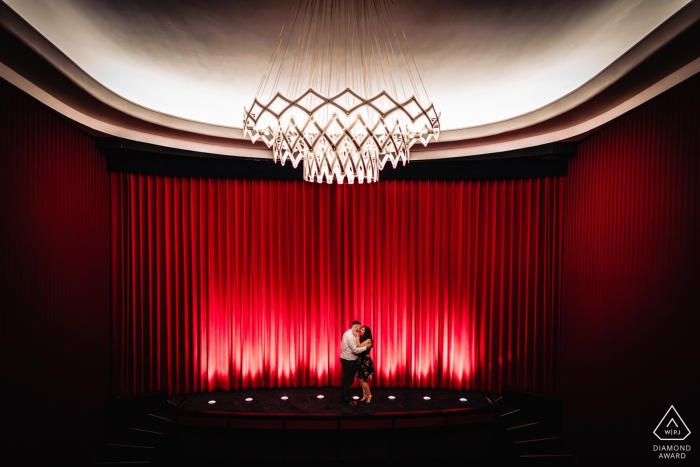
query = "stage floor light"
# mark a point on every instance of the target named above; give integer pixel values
(212, 402)
(426, 398)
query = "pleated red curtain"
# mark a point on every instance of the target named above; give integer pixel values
(231, 284)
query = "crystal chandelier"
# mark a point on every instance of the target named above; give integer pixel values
(341, 92)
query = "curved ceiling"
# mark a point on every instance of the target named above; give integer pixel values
(491, 67)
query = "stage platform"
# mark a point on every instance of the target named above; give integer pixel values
(321, 409)
(483, 428)
(450, 424)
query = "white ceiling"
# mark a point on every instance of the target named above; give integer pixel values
(481, 61)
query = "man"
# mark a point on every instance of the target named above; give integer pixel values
(348, 360)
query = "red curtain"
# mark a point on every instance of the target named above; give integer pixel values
(630, 294)
(231, 284)
(54, 285)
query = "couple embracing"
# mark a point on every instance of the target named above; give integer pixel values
(356, 362)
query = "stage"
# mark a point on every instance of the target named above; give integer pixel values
(287, 424)
(453, 424)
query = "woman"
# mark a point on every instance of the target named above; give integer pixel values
(365, 366)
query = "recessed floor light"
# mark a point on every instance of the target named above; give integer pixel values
(248, 399)
(212, 402)
(284, 398)
(426, 398)
(355, 397)
(392, 397)
(320, 396)
(463, 399)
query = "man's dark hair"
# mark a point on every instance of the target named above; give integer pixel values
(355, 322)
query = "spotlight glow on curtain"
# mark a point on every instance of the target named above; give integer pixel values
(232, 284)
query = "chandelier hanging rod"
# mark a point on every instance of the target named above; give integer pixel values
(362, 38)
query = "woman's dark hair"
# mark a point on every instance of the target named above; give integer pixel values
(366, 335)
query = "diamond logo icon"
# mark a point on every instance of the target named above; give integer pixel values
(672, 427)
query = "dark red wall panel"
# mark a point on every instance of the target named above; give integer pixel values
(54, 271)
(631, 277)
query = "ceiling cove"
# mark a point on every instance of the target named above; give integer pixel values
(505, 75)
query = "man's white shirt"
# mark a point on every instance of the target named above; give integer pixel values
(348, 346)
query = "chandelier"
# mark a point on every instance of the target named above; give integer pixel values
(341, 92)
